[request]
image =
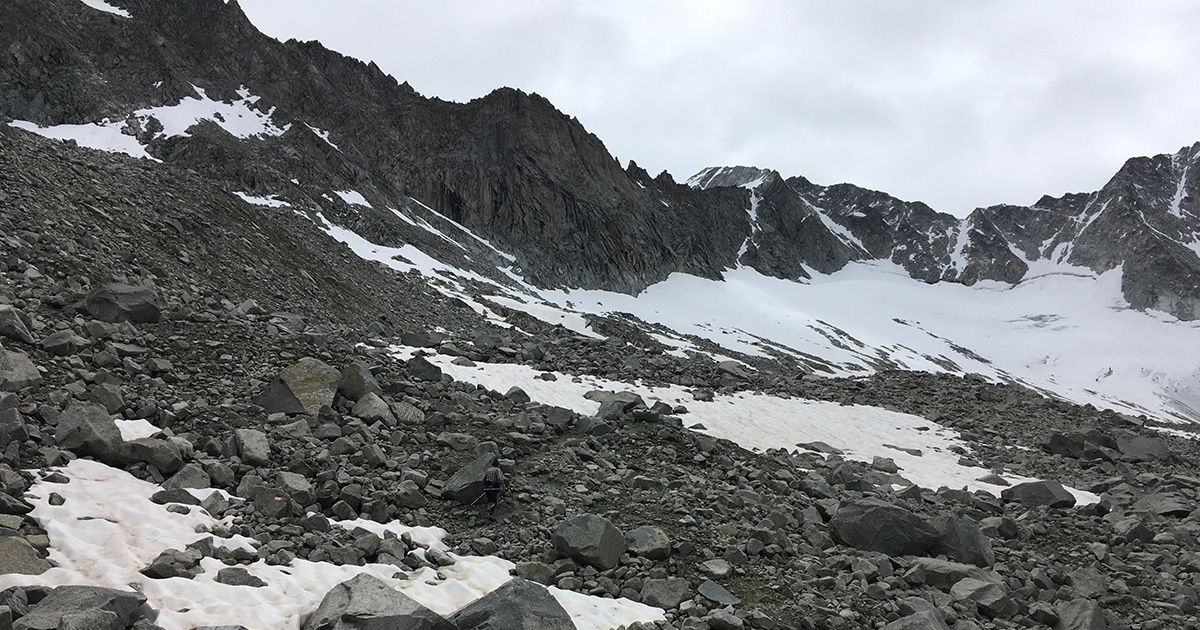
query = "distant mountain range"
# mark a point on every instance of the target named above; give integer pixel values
(512, 168)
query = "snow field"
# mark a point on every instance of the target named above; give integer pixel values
(759, 422)
(236, 117)
(107, 529)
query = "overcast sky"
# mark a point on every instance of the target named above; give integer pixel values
(955, 103)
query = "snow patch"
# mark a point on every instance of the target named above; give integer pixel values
(760, 421)
(352, 197)
(107, 529)
(101, 5)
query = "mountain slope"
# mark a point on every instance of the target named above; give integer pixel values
(199, 86)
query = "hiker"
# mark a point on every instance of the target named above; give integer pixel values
(493, 483)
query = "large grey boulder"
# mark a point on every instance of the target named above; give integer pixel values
(649, 542)
(17, 372)
(63, 343)
(1080, 614)
(164, 455)
(18, 556)
(69, 600)
(944, 574)
(13, 324)
(517, 605)
(590, 539)
(1035, 493)
(190, 475)
(1143, 448)
(124, 303)
(960, 540)
(253, 447)
(371, 408)
(87, 429)
(665, 593)
(467, 484)
(875, 525)
(421, 369)
(304, 387)
(357, 381)
(365, 602)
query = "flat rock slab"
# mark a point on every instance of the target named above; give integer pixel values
(1034, 493)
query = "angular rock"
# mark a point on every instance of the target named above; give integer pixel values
(960, 540)
(238, 576)
(517, 605)
(367, 603)
(1035, 493)
(590, 539)
(190, 476)
(357, 381)
(253, 447)
(407, 414)
(421, 369)
(921, 620)
(277, 397)
(944, 574)
(164, 455)
(466, 485)
(1163, 505)
(421, 339)
(91, 620)
(18, 556)
(875, 525)
(991, 598)
(87, 429)
(17, 372)
(371, 408)
(312, 382)
(665, 593)
(718, 594)
(63, 343)
(722, 619)
(66, 600)
(409, 495)
(649, 542)
(1143, 448)
(539, 572)
(124, 303)
(1080, 614)
(13, 324)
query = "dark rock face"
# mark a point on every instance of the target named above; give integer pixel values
(117, 302)
(590, 539)
(874, 525)
(517, 605)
